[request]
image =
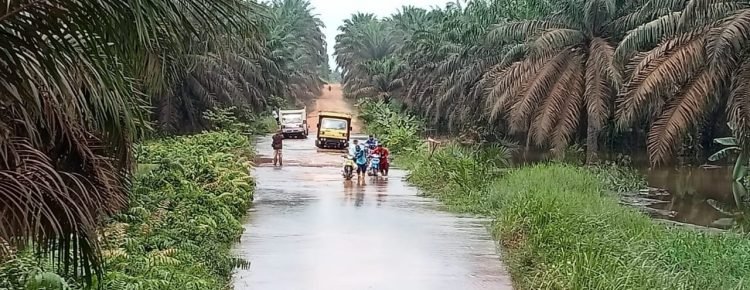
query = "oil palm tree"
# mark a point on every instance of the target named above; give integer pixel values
(362, 39)
(226, 74)
(249, 70)
(690, 60)
(565, 81)
(384, 79)
(71, 107)
(448, 57)
(297, 45)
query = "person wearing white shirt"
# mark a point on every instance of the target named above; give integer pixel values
(353, 149)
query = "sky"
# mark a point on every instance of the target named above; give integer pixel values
(334, 12)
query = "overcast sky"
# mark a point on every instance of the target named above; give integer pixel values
(334, 12)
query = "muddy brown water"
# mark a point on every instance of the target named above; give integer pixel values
(698, 195)
(310, 229)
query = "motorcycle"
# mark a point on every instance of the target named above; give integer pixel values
(348, 167)
(374, 164)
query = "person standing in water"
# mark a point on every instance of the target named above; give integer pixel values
(276, 144)
(384, 154)
(353, 148)
(360, 158)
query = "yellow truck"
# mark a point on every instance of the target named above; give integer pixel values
(334, 130)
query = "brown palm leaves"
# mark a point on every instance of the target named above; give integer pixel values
(700, 65)
(683, 61)
(70, 111)
(565, 81)
(582, 67)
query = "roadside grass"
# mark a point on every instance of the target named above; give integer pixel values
(187, 198)
(560, 229)
(561, 226)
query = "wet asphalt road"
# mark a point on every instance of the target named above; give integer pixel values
(309, 229)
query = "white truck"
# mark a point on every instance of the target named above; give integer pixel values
(293, 123)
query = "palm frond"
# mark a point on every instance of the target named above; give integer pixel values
(552, 108)
(537, 89)
(521, 30)
(682, 112)
(656, 72)
(738, 105)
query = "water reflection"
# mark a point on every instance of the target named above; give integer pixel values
(381, 198)
(359, 198)
(700, 195)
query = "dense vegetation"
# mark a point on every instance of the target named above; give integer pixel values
(665, 76)
(187, 198)
(82, 81)
(562, 227)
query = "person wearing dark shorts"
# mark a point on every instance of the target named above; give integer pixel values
(361, 159)
(276, 144)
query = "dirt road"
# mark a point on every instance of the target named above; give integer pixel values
(310, 229)
(332, 100)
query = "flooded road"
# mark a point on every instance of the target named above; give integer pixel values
(309, 229)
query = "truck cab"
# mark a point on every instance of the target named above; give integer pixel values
(334, 130)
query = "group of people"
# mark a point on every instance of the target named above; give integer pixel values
(363, 152)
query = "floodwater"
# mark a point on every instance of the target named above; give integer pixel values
(310, 229)
(698, 195)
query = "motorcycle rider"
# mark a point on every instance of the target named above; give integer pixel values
(371, 143)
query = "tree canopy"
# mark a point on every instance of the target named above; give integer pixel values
(556, 73)
(81, 81)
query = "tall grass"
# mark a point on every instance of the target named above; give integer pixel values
(561, 227)
(560, 231)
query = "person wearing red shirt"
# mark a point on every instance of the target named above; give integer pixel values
(384, 164)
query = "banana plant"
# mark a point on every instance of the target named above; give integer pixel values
(740, 166)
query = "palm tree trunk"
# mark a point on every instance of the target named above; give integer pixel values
(527, 148)
(592, 143)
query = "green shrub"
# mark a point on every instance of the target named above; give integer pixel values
(400, 132)
(24, 271)
(238, 120)
(457, 174)
(183, 215)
